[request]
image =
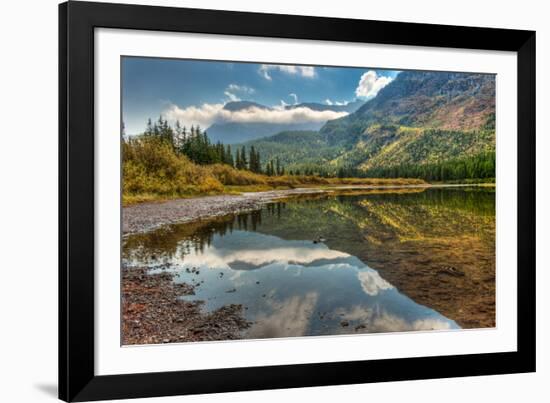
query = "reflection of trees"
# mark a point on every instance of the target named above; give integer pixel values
(175, 241)
(346, 221)
(407, 236)
(178, 240)
(410, 238)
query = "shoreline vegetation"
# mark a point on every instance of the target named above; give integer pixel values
(164, 164)
(153, 214)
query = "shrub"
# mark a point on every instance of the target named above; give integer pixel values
(231, 176)
(151, 166)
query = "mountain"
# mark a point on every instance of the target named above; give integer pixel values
(449, 101)
(419, 118)
(241, 105)
(296, 149)
(238, 132)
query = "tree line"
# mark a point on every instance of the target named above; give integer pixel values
(478, 166)
(195, 144)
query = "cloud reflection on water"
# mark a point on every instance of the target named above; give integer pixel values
(290, 317)
(290, 288)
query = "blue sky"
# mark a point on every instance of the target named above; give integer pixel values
(194, 92)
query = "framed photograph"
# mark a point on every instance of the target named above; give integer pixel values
(256, 201)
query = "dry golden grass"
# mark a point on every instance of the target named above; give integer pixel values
(152, 171)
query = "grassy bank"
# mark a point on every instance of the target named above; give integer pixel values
(485, 181)
(152, 171)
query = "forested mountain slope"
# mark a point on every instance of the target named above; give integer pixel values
(421, 118)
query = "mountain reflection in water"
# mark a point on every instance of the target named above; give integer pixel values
(287, 287)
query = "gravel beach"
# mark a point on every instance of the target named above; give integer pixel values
(149, 216)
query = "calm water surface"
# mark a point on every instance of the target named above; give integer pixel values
(294, 265)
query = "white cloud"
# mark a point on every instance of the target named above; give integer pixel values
(236, 88)
(282, 106)
(370, 83)
(378, 321)
(289, 317)
(372, 283)
(206, 114)
(232, 97)
(240, 88)
(339, 103)
(294, 96)
(303, 71)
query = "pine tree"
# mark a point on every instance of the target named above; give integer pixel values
(252, 159)
(238, 163)
(177, 135)
(149, 128)
(270, 170)
(278, 167)
(157, 129)
(229, 156)
(258, 163)
(244, 162)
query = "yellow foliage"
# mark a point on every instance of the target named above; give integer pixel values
(153, 171)
(151, 167)
(231, 176)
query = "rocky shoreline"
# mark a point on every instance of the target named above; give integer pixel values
(153, 313)
(149, 216)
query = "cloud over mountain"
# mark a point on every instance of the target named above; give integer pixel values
(207, 114)
(370, 83)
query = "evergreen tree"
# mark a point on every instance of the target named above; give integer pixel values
(251, 159)
(229, 156)
(254, 160)
(244, 162)
(238, 163)
(149, 128)
(258, 163)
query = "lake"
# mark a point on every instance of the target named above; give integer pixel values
(348, 263)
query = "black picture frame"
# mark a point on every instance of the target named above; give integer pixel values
(77, 379)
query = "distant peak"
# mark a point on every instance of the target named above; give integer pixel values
(240, 105)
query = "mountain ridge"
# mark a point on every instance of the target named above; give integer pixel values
(238, 132)
(419, 118)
